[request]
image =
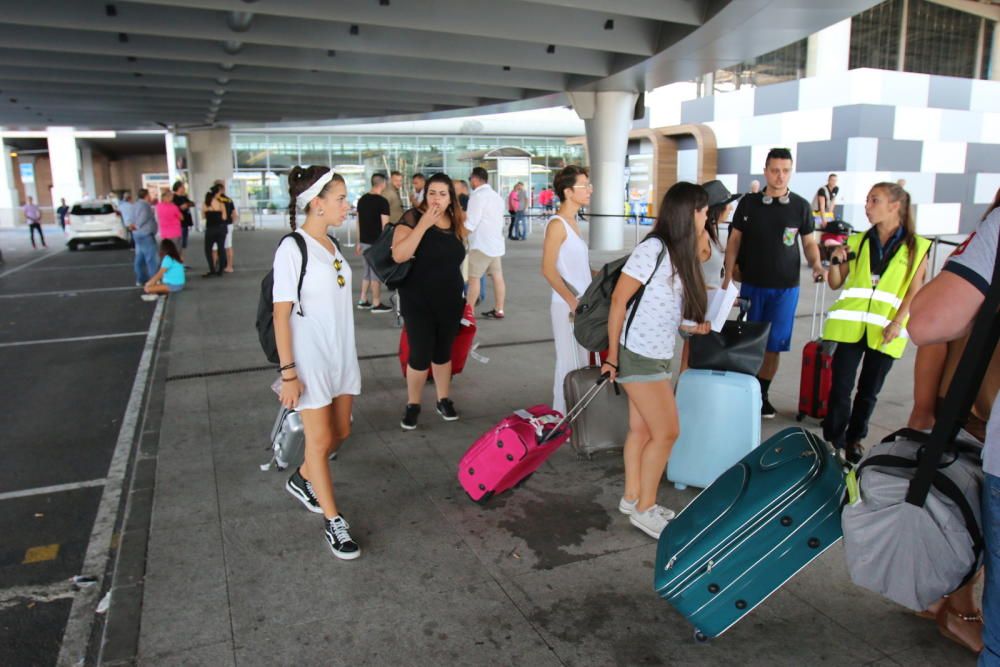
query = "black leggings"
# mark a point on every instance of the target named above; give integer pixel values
(845, 423)
(431, 332)
(215, 235)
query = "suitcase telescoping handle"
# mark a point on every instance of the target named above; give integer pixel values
(577, 409)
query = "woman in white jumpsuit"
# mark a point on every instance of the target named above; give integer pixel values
(566, 266)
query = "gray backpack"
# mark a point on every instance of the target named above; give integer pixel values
(915, 532)
(590, 323)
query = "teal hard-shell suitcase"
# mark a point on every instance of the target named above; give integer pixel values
(752, 530)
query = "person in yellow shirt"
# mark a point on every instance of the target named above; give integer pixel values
(881, 271)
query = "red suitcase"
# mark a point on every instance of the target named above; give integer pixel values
(817, 365)
(459, 349)
(506, 455)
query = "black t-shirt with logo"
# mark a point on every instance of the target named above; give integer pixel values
(769, 249)
(371, 208)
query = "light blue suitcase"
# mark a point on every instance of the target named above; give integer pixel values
(720, 424)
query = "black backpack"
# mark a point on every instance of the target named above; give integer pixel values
(265, 304)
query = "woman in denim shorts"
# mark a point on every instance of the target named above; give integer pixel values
(661, 290)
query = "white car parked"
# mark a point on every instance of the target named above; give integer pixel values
(96, 221)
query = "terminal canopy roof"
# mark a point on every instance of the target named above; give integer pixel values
(188, 63)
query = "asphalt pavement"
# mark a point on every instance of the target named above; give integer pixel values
(72, 331)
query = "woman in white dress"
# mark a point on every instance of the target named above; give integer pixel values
(566, 266)
(314, 333)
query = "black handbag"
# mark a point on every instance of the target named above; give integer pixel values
(738, 348)
(379, 256)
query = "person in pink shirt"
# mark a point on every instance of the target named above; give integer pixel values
(169, 218)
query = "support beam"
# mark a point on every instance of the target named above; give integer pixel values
(828, 51)
(65, 164)
(211, 155)
(607, 116)
(8, 193)
(986, 10)
(994, 70)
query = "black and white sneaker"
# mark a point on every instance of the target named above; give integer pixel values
(340, 541)
(446, 409)
(767, 410)
(381, 308)
(303, 492)
(410, 417)
(364, 305)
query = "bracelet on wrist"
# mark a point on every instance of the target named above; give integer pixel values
(608, 363)
(291, 379)
(287, 367)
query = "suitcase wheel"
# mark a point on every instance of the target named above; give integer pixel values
(519, 484)
(700, 636)
(486, 498)
(799, 417)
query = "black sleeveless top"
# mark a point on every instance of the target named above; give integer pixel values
(213, 218)
(436, 274)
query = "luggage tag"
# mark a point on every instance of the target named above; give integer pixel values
(875, 278)
(853, 492)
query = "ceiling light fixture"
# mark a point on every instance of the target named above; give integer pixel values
(110, 10)
(331, 52)
(219, 91)
(355, 29)
(232, 47)
(551, 49)
(384, 3)
(227, 67)
(132, 59)
(222, 80)
(609, 24)
(136, 74)
(123, 38)
(506, 68)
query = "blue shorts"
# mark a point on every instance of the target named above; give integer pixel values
(777, 306)
(174, 287)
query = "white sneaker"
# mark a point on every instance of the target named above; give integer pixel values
(627, 507)
(652, 521)
(149, 297)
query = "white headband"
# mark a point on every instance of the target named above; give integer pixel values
(303, 199)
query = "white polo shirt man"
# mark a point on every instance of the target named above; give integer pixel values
(484, 220)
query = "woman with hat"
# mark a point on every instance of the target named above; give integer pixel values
(711, 249)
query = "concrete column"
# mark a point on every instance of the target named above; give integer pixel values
(607, 117)
(994, 73)
(87, 165)
(211, 155)
(65, 164)
(8, 193)
(829, 50)
(168, 143)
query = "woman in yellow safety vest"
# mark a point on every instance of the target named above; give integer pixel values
(880, 277)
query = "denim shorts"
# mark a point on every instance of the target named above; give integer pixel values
(174, 288)
(777, 306)
(634, 367)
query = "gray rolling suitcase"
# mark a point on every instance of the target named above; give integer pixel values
(604, 424)
(287, 440)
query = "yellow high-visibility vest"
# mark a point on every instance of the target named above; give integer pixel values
(864, 308)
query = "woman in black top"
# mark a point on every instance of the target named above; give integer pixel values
(216, 216)
(431, 301)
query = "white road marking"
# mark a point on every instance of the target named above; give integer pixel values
(27, 264)
(81, 615)
(57, 488)
(69, 292)
(20, 343)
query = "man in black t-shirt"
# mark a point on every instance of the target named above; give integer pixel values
(182, 202)
(762, 242)
(373, 215)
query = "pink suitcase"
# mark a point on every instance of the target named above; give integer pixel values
(506, 455)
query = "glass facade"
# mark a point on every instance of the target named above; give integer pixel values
(939, 40)
(261, 162)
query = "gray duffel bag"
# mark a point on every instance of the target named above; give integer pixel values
(908, 553)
